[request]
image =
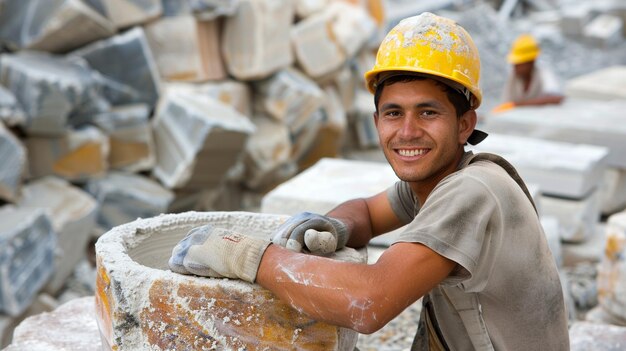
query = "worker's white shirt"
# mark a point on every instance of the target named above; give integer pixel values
(480, 218)
(543, 82)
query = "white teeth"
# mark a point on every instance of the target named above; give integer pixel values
(411, 153)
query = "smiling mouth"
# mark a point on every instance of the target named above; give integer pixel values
(411, 152)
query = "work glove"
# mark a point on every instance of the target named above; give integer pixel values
(215, 252)
(318, 234)
(503, 107)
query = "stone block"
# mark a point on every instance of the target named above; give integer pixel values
(550, 226)
(613, 191)
(198, 139)
(186, 48)
(330, 135)
(574, 19)
(290, 97)
(72, 213)
(12, 172)
(306, 8)
(124, 197)
(11, 113)
(43, 303)
(52, 90)
(559, 169)
(77, 156)
(604, 31)
(52, 26)
(255, 39)
(126, 13)
(231, 92)
(577, 121)
(126, 63)
(27, 245)
(363, 120)
(267, 150)
(604, 84)
(612, 268)
(130, 137)
(324, 41)
(203, 9)
(589, 251)
(140, 304)
(71, 326)
(578, 218)
(326, 184)
(585, 336)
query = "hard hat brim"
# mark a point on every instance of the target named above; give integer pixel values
(375, 77)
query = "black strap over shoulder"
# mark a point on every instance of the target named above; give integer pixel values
(485, 156)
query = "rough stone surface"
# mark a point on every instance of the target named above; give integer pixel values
(612, 269)
(13, 156)
(560, 169)
(72, 213)
(71, 326)
(604, 84)
(585, 336)
(140, 304)
(27, 245)
(578, 218)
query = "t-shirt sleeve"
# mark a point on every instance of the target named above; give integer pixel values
(402, 202)
(454, 223)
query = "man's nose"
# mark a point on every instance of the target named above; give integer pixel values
(411, 128)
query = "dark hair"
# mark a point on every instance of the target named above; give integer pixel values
(458, 100)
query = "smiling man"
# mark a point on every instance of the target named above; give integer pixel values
(472, 246)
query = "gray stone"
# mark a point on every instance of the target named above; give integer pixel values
(51, 89)
(128, 71)
(203, 9)
(255, 39)
(124, 197)
(585, 336)
(72, 213)
(604, 31)
(605, 84)
(27, 245)
(198, 139)
(126, 13)
(52, 26)
(11, 113)
(559, 169)
(13, 156)
(130, 137)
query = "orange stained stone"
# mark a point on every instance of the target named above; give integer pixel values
(190, 316)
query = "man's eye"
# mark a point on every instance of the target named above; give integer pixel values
(392, 113)
(428, 113)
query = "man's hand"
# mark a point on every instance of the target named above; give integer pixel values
(318, 234)
(217, 252)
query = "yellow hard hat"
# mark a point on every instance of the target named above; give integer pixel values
(433, 46)
(524, 49)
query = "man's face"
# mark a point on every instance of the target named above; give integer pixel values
(524, 70)
(419, 132)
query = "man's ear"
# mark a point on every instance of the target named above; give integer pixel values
(376, 119)
(467, 123)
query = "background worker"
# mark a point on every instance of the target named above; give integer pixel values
(472, 247)
(528, 83)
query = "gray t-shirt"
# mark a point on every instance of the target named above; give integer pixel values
(481, 218)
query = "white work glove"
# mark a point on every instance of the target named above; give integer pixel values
(217, 252)
(318, 234)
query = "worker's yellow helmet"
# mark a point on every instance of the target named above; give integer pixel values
(433, 46)
(524, 49)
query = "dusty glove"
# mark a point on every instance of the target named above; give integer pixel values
(318, 234)
(217, 252)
